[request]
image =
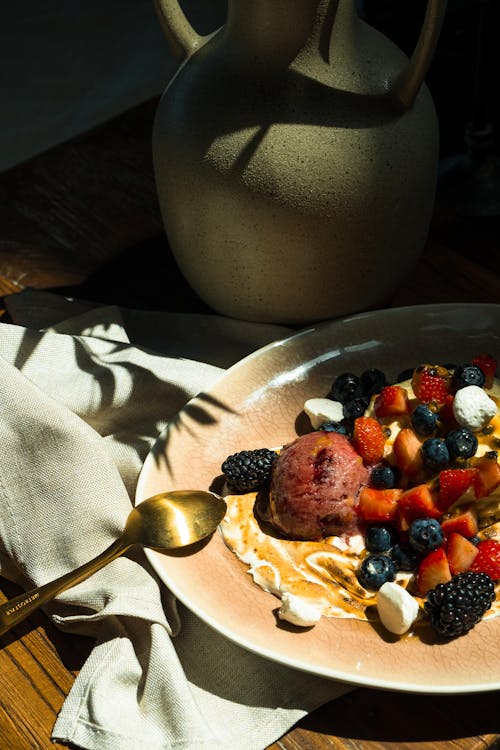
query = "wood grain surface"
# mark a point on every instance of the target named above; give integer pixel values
(83, 219)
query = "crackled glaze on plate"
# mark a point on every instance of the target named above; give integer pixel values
(258, 403)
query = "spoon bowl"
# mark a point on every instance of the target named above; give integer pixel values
(174, 519)
(166, 521)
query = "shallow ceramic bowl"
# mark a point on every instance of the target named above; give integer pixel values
(258, 403)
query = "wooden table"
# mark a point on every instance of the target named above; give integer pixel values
(83, 220)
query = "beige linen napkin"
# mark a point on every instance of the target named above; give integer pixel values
(81, 407)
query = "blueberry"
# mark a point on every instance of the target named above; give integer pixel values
(435, 454)
(404, 559)
(461, 443)
(375, 570)
(349, 425)
(355, 408)
(346, 387)
(405, 375)
(333, 427)
(465, 375)
(425, 535)
(423, 420)
(373, 380)
(383, 477)
(380, 538)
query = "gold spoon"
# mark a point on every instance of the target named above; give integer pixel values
(166, 521)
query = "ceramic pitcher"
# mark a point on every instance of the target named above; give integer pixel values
(295, 155)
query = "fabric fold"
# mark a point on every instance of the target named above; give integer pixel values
(79, 414)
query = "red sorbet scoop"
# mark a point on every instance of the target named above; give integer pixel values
(315, 486)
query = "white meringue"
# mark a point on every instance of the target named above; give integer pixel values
(300, 611)
(397, 609)
(473, 408)
(320, 410)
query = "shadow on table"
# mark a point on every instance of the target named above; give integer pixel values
(144, 277)
(379, 716)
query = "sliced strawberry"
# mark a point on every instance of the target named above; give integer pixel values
(369, 439)
(461, 553)
(392, 401)
(488, 558)
(487, 476)
(488, 366)
(431, 383)
(378, 505)
(433, 569)
(452, 485)
(446, 414)
(464, 523)
(407, 451)
(417, 502)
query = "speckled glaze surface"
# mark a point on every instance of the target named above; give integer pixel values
(259, 403)
(295, 154)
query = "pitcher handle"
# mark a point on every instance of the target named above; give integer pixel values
(408, 83)
(182, 39)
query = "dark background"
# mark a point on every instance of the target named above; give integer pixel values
(462, 93)
(464, 83)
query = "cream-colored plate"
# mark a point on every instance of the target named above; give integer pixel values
(256, 404)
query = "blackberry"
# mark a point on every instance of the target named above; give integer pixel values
(423, 420)
(461, 443)
(346, 387)
(455, 607)
(248, 471)
(465, 375)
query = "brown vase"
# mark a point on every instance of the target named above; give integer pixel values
(295, 155)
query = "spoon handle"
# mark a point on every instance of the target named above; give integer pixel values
(19, 607)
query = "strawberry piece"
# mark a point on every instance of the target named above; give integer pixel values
(407, 451)
(392, 401)
(464, 523)
(461, 553)
(452, 485)
(488, 558)
(431, 383)
(417, 502)
(488, 366)
(433, 569)
(446, 414)
(487, 476)
(369, 439)
(378, 505)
